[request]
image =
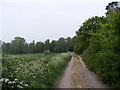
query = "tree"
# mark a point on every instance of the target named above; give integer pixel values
(18, 45)
(83, 34)
(69, 44)
(53, 44)
(39, 48)
(31, 47)
(6, 47)
(61, 45)
(112, 5)
(47, 45)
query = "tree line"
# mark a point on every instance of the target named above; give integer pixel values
(97, 41)
(20, 46)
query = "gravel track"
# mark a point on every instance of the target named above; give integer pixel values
(76, 75)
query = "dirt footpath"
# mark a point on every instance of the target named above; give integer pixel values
(76, 75)
(64, 80)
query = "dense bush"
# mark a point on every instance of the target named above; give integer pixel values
(83, 34)
(103, 56)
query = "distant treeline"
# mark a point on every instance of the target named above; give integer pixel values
(20, 46)
(98, 42)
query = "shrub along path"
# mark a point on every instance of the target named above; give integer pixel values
(76, 75)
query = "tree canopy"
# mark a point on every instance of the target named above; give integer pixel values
(92, 25)
(20, 46)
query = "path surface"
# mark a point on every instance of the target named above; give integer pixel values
(76, 75)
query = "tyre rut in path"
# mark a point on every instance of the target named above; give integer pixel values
(76, 75)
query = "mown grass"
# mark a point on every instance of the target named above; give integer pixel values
(35, 70)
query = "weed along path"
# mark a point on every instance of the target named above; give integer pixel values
(76, 75)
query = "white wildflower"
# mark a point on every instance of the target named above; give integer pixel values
(19, 86)
(6, 80)
(9, 82)
(26, 85)
(21, 82)
(13, 82)
(2, 79)
(15, 79)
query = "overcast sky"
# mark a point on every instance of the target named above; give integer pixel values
(46, 19)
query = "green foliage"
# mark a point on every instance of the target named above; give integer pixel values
(63, 45)
(92, 25)
(103, 54)
(20, 46)
(112, 5)
(31, 47)
(39, 47)
(36, 71)
(6, 47)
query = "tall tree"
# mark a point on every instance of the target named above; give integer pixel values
(61, 45)
(39, 48)
(53, 44)
(69, 44)
(18, 45)
(47, 44)
(112, 5)
(83, 34)
(6, 47)
(31, 47)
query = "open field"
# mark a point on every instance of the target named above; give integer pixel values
(32, 70)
